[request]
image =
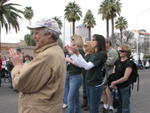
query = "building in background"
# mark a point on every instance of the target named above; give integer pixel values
(82, 31)
(22, 45)
(142, 43)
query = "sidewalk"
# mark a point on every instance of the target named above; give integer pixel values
(8, 100)
(140, 101)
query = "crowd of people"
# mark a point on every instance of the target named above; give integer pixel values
(6, 67)
(52, 79)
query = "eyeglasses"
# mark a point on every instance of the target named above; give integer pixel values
(123, 51)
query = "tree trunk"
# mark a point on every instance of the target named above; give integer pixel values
(29, 22)
(89, 33)
(73, 27)
(121, 35)
(127, 40)
(107, 28)
(112, 23)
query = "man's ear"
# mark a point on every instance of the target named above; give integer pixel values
(49, 35)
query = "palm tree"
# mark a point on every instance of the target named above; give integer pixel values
(9, 16)
(28, 14)
(73, 13)
(121, 24)
(29, 40)
(115, 7)
(89, 21)
(59, 22)
(105, 11)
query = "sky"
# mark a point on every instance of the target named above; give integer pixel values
(136, 12)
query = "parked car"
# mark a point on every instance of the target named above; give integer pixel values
(140, 66)
(147, 65)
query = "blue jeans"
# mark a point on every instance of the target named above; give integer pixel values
(84, 87)
(124, 97)
(94, 96)
(10, 79)
(75, 82)
(0, 78)
(66, 89)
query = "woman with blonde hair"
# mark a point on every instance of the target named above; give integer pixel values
(95, 72)
(122, 75)
(75, 77)
(77, 39)
(89, 50)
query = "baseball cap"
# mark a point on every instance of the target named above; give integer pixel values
(47, 23)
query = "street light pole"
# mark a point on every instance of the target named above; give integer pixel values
(137, 47)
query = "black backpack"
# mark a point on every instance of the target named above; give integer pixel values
(134, 77)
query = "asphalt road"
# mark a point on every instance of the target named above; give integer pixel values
(140, 101)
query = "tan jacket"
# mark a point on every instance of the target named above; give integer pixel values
(41, 82)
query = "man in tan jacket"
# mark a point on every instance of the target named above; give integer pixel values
(41, 82)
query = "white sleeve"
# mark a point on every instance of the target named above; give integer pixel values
(80, 61)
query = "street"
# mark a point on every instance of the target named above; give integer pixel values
(140, 101)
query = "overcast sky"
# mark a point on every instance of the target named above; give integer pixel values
(137, 13)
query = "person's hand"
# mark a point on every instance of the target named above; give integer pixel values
(17, 59)
(68, 60)
(113, 85)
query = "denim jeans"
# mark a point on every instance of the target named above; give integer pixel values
(84, 87)
(66, 89)
(10, 79)
(75, 82)
(0, 78)
(94, 96)
(124, 97)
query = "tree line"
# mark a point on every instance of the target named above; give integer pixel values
(108, 10)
